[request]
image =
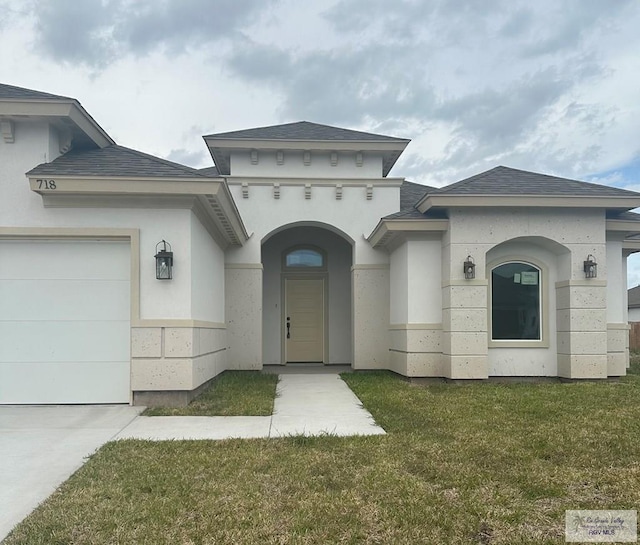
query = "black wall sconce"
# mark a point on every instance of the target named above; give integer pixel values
(469, 268)
(164, 261)
(590, 267)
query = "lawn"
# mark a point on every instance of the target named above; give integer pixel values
(479, 464)
(233, 393)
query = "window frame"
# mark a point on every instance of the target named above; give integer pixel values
(543, 306)
(302, 268)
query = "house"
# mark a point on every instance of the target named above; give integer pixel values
(633, 298)
(126, 278)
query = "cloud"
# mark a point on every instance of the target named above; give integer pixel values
(194, 159)
(98, 32)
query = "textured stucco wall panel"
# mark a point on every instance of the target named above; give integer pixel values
(161, 374)
(584, 296)
(464, 343)
(582, 342)
(208, 366)
(181, 342)
(580, 319)
(415, 340)
(582, 366)
(465, 319)
(523, 362)
(370, 318)
(244, 317)
(466, 367)
(146, 342)
(465, 296)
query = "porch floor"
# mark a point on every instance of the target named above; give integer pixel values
(312, 401)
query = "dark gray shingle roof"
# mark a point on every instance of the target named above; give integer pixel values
(625, 216)
(304, 130)
(116, 161)
(510, 181)
(209, 171)
(10, 92)
(410, 194)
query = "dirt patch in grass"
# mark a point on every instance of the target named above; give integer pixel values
(480, 464)
(233, 393)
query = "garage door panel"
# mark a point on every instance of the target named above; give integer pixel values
(65, 382)
(45, 300)
(64, 321)
(74, 260)
(51, 342)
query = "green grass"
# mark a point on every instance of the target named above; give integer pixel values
(478, 464)
(233, 393)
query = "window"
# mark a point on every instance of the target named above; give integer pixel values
(515, 302)
(304, 258)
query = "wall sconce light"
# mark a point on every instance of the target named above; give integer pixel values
(590, 267)
(469, 268)
(164, 261)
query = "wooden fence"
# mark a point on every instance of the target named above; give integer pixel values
(634, 336)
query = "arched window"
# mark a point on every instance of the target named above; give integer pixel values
(516, 302)
(304, 258)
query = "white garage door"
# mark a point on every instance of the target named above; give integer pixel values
(64, 322)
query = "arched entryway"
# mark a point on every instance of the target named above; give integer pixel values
(307, 295)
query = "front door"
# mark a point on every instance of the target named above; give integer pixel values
(304, 319)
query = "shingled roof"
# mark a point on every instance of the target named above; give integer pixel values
(11, 92)
(634, 297)
(305, 130)
(503, 180)
(114, 161)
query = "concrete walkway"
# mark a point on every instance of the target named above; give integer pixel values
(306, 404)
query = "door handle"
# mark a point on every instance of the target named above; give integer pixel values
(288, 327)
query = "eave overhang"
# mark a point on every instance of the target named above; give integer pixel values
(209, 199)
(63, 114)
(430, 201)
(388, 231)
(220, 148)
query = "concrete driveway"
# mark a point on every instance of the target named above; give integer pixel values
(41, 446)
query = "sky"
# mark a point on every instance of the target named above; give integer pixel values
(551, 86)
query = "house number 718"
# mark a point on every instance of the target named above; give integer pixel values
(46, 184)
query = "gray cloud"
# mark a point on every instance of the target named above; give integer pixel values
(97, 32)
(194, 159)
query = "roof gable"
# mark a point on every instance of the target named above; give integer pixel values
(11, 92)
(503, 180)
(114, 161)
(304, 131)
(303, 136)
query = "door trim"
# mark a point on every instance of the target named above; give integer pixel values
(315, 275)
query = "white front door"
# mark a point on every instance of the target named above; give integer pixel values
(304, 319)
(64, 321)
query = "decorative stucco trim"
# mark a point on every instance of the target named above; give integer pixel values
(614, 325)
(369, 267)
(387, 230)
(623, 225)
(316, 182)
(202, 324)
(415, 327)
(52, 109)
(527, 201)
(243, 266)
(475, 282)
(588, 283)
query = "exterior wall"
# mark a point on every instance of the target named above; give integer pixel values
(370, 310)
(581, 304)
(415, 330)
(352, 216)
(338, 252)
(184, 317)
(634, 314)
(243, 310)
(293, 165)
(617, 314)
